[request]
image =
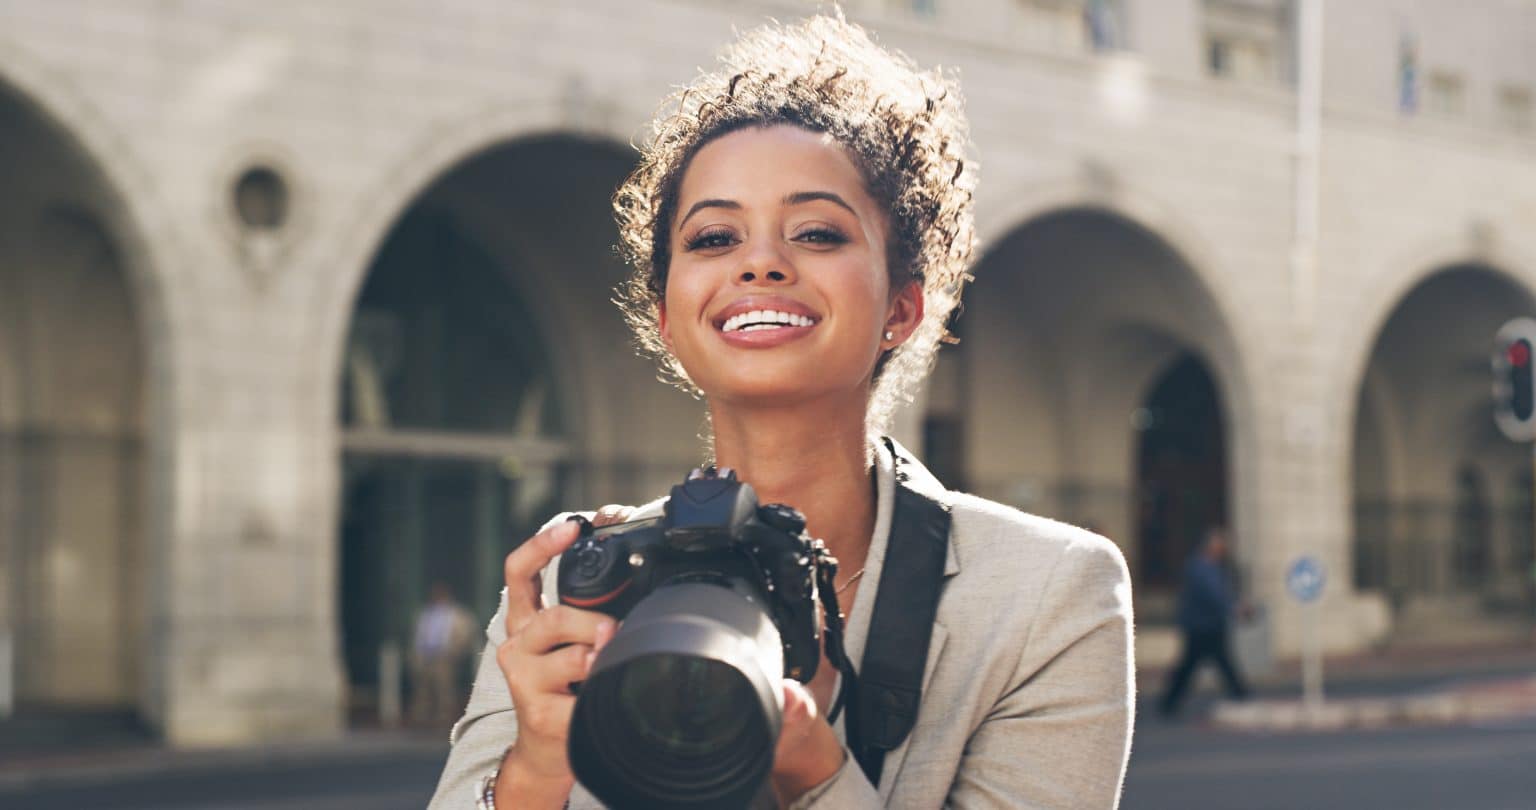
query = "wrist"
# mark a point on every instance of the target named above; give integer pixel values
(522, 783)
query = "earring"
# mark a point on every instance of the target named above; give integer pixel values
(889, 334)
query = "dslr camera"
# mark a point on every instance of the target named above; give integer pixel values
(720, 598)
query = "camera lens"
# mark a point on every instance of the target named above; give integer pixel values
(688, 707)
(682, 708)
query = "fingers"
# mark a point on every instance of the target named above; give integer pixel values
(549, 673)
(563, 625)
(523, 565)
(799, 705)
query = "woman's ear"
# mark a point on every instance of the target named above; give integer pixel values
(661, 323)
(905, 314)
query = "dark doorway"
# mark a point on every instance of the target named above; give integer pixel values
(1181, 470)
(447, 382)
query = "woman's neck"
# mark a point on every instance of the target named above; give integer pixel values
(818, 462)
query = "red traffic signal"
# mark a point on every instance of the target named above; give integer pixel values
(1514, 381)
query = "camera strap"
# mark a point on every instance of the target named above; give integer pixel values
(884, 697)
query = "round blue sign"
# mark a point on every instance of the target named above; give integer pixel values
(1305, 579)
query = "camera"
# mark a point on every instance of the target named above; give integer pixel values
(720, 598)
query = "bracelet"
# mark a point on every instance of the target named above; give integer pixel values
(485, 797)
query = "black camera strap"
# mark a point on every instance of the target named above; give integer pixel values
(884, 697)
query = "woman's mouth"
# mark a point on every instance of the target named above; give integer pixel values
(759, 319)
(765, 327)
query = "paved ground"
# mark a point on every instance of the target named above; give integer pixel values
(376, 771)
(1486, 767)
(1466, 765)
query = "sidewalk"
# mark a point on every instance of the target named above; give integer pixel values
(95, 759)
(1405, 686)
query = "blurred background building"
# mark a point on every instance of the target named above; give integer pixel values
(304, 306)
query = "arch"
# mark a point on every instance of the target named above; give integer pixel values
(144, 233)
(1420, 399)
(524, 223)
(1158, 218)
(1510, 259)
(1118, 355)
(444, 147)
(1160, 221)
(94, 393)
(139, 224)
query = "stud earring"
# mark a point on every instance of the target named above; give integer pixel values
(889, 334)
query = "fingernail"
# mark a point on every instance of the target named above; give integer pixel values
(604, 634)
(591, 657)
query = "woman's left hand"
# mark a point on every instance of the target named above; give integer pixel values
(808, 752)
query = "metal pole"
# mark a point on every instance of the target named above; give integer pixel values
(7, 680)
(1309, 115)
(1312, 659)
(389, 684)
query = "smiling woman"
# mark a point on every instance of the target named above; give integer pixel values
(799, 229)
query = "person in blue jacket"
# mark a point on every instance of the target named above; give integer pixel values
(1206, 604)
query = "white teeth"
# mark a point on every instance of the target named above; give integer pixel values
(764, 319)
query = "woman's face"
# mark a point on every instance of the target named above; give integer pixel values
(777, 292)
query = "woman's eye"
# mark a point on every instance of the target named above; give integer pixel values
(821, 236)
(710, 239)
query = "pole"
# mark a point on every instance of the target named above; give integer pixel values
(7, 671)
(1312, 659)
(1309, 115)
(389, 684)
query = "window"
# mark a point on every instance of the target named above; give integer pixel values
(1218, 61)
(1075, 25)
(1104, 23)
(1246, 39)
(1517, 107)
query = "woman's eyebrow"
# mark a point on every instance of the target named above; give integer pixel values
(711, 203)
(807, 196)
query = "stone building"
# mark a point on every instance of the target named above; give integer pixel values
(305, 306)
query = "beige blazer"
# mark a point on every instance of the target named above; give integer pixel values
(1027, 691)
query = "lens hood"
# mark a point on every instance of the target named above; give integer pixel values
(683, 706)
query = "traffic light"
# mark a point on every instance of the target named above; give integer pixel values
(1514, 380)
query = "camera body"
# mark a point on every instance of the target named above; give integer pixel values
(712, 531)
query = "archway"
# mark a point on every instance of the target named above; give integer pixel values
(72, 558)
(1438, 531)
(460, 387)
(1181, 470)
(1078, 318)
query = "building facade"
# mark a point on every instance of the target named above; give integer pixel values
(304, 307)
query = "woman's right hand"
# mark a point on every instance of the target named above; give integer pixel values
(546, 650)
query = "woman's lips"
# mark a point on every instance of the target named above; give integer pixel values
(764, 338)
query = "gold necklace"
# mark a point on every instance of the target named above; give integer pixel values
(851, 580)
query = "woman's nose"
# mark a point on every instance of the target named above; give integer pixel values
(765, 263)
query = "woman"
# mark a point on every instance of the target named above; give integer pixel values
(799, 229)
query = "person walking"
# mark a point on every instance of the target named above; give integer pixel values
(1206, 603)
(444, 631)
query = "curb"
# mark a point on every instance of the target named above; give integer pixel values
(1495, 701)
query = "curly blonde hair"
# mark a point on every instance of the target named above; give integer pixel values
(904, 129)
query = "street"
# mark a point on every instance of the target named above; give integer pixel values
(1489, 767)
(1467, 768)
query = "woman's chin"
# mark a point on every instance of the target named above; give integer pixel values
(778, 390)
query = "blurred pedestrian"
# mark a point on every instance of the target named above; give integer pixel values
(1206, 604)
(442, 641)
